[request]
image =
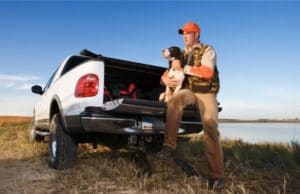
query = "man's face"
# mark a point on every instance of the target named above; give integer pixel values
(190, 38)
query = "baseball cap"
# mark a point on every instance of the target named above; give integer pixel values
(190, 27)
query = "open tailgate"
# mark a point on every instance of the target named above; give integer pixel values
(138, 107)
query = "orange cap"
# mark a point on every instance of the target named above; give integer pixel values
(190, 27)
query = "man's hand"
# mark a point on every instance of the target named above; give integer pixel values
(187, 69)
(190, 70)
(170, 82)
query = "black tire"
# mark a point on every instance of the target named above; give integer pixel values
(62, 147)
(153, 144)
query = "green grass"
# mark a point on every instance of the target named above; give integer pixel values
(249, 168)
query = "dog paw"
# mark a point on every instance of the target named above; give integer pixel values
(162, 97)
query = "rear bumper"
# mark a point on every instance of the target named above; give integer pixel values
(132, 117)
(132, 126)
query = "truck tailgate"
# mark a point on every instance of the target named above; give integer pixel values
(139, 107)
(136, 116)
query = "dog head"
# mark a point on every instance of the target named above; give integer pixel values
(173, 53)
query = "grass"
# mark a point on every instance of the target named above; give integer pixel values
(249, 168)
(6, 120)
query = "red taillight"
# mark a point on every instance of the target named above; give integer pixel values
(87, 86)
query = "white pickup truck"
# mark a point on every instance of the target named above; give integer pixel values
(97, 99)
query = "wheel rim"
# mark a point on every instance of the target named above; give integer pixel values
(54, 148)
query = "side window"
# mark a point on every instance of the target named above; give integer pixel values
(72, 63)
(50, 81)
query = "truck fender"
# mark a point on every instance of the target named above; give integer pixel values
(55, 103)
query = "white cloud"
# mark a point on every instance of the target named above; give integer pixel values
(24, 86)
(7, 84)
(5, 77)
(19, 82)
(17, 98)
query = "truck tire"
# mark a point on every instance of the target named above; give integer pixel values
(62, 147)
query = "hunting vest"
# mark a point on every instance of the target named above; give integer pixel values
(197, 84)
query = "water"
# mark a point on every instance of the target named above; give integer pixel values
(261, 132)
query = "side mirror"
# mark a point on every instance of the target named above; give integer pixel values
(37, 89)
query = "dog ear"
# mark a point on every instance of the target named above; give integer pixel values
(170, 64)
(177, 54)
(182, 60)
(166, 53)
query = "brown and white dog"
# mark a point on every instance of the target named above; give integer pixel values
(176, 73)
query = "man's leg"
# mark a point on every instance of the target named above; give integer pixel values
(213, 150)
(174, 113)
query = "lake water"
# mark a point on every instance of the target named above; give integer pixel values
(261, 132)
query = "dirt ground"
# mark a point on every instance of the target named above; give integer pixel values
(34, 176)
(24, 166)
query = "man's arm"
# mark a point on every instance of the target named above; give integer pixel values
(208, 63)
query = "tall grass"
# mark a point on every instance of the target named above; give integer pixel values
(296, 151)
(249, 168)
(15, 144)
(258, 168)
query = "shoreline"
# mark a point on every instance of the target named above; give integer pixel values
(259, 121)
(13, 117)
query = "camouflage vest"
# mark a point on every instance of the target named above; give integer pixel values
(196, 84)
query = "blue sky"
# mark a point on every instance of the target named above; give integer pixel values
(257, 47)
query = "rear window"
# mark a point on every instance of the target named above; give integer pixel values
(74, 61)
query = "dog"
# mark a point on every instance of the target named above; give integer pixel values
(176, 73)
